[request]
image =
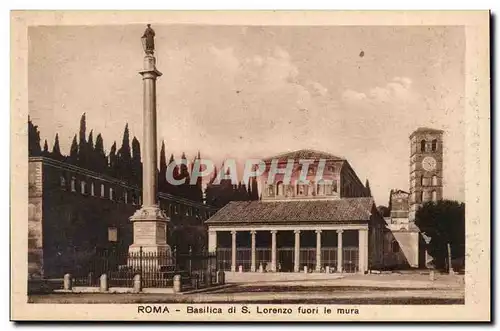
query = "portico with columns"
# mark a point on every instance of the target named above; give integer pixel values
(286, 244)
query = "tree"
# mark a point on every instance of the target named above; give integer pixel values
(56, 149)
(101, 162)
(444, 223)
(73, 152)
(162, 176)
(197, 189)
(390, 200)
(136, 162)
(384, 211)
(368, 190)
(45, 148)
(255, 190)
(33, 139)
(113, 161)
(124, 156)
(184, 174)
(82, 148)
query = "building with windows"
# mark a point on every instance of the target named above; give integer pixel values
(309, 221)
(73, 211)
(404, 244)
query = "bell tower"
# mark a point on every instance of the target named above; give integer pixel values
(426, 168)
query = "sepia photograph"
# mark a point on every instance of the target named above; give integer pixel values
(234, 166)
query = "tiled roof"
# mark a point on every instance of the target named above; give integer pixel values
(308, 154)
(342, 210)
(425, 129)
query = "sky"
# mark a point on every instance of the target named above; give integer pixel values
(254, 91)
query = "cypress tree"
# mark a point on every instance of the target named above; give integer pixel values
(113, 161)
(255, 190)
(82, 148)
(56, 150)
(73, 152)
(136, 162)
(162, 176)
(100, 156)
(124, 157)
(198, 188)
(45, 149)
(368, 190)
(33, 139)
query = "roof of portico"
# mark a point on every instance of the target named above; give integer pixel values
(326, 211)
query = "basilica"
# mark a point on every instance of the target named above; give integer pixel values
(331, 224)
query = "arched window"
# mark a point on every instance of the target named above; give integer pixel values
(421, 196)
(280, 189)
(62, 182)
(92, 193)
(321, 187)
(111, 194)
(73, 184)
(335, 186)
(302, 189)
(102, 190)
(125, 197)
(83, 187)
(422, 146)
(434, 180)
(434, 196)
(434, 145)
(422, 180)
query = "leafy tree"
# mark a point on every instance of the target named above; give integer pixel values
(33, 139)
(384, 211)
(444, 223)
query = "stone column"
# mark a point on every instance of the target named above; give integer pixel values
(273, 250)
(339, 251)
(150, 222)
(252, 266)
(233, 251)
(363, 250)
(318, 250)
(296, 264)
(212, 241)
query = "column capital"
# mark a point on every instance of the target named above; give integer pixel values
(318, 231)
(253, 232)
(212, 231)
(340, 231)
(233, 232)
(296, 231)
(274, 231)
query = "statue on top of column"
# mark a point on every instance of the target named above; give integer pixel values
(149, 40)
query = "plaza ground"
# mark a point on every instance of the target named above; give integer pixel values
(249, 288)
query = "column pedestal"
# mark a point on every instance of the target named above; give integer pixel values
(150, 238)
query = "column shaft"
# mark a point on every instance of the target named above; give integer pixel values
(212, 241)
(233, 251)
(149, 180)
(363, 250)
(252, 267)
(296, 264)
(273, 250)
(339, 251)
(318, 250)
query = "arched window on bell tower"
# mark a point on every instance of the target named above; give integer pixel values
(434, 196)
(421, 180)
(421, 196)
(434, 145)
(422, 146)
(434, 180)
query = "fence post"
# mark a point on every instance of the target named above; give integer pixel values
(137, 283)
(190, 259)
(177, 285)
(91, 278)
(140, 263)
(103, 283)
(68, 282)
(174, 255)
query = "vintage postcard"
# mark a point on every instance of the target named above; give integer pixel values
(250, 166)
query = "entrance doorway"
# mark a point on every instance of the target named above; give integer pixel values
(285, 260)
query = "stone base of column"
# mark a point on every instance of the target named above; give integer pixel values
(252, 268)
(233, 268)
(150, 239)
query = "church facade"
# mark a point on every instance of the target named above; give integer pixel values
(303, 223)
